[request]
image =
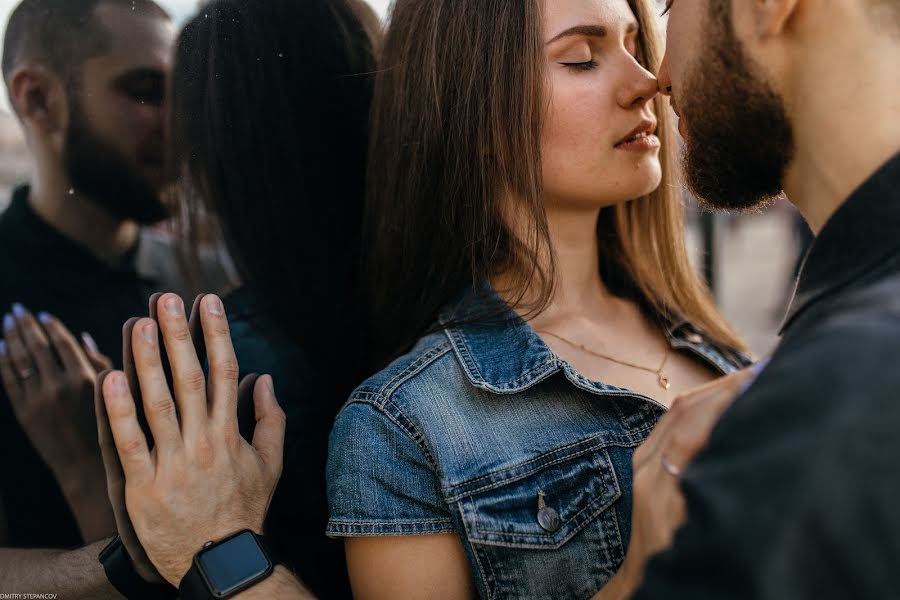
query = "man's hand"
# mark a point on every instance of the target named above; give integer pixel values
(658, 507)
(49, 379)
(201, 481)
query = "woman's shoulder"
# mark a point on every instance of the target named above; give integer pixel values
(429, 363)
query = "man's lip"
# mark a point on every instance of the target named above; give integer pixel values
(647, 126)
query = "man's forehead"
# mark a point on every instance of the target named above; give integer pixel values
(136, 37)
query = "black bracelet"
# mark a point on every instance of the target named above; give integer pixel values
(122, 575)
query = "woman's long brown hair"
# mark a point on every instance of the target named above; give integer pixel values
(457, 120)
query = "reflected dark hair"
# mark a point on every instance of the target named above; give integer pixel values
(268, 133)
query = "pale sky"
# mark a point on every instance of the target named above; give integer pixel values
(181, 10)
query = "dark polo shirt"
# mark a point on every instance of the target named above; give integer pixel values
(797, 495)
(46, 271)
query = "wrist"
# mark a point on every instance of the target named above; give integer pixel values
(82, 479)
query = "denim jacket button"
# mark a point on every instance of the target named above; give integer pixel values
(695, 338)
(549, 519)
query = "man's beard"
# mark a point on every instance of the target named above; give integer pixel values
(739, 138)
(100, 173)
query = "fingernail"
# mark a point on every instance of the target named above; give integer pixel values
(18, 310)
(148, 331)
(119, 384)
(758, 367)
(173, 306)
(755, 370)
(214, 305)
(44, 317)
(2, 348)
(8, 322)
(89, 342)
(270, 384)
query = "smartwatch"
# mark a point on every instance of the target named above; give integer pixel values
(122, 575)
(224, 568)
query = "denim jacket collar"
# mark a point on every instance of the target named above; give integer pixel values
(503, 354)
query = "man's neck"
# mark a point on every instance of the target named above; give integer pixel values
(845, 129)
(82, 221)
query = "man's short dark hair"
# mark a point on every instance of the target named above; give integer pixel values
(61, 34)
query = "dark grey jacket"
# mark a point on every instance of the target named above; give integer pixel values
(798, 494)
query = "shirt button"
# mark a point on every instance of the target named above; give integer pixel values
(549, 519)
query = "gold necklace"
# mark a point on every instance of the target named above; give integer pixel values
(661, 378)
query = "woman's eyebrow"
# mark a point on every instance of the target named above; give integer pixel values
(597, 31)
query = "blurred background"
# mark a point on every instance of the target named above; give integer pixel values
(750, 260)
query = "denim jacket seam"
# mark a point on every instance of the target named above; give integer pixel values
(409, 427)
(415, 366)
(447, 521)
(484, 579)
(387, 407)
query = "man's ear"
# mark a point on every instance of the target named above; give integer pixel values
(39, 99)
(771, 17)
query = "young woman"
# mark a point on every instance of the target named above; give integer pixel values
(269, 131)
(527, 274)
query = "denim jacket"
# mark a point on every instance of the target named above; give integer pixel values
(483, 431)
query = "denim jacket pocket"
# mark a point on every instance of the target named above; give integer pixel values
(544, 516)
(543, 503)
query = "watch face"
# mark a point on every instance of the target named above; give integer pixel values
(234, 563)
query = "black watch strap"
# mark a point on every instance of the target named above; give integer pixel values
(122, 575)
(194, 587)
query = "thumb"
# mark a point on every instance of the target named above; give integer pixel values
(268, 438)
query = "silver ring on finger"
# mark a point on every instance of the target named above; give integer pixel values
(669, 467)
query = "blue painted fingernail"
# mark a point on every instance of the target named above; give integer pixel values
(755, 369)
(18, 310)
(8, 322)
(2, 348)
(89, 342)
(44, 317)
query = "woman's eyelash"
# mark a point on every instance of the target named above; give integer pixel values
(581, 66)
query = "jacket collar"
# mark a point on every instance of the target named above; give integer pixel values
(862, 238)
(501, 353)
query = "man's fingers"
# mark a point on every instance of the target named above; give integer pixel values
(708, 401)
(268, 438)
(246, 412)
(188, 378)
(223, 365)
(131, 445)
(98, 360)
(159, 406)
(70, 354)
(111, 462)
(195, 324)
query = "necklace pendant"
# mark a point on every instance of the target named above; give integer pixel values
(664, 381)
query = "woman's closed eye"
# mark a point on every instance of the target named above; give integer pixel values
(580, 66)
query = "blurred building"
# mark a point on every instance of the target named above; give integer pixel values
(15, 164)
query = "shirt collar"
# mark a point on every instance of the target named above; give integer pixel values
(501, 353)
(861, 237)
(36, 240)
